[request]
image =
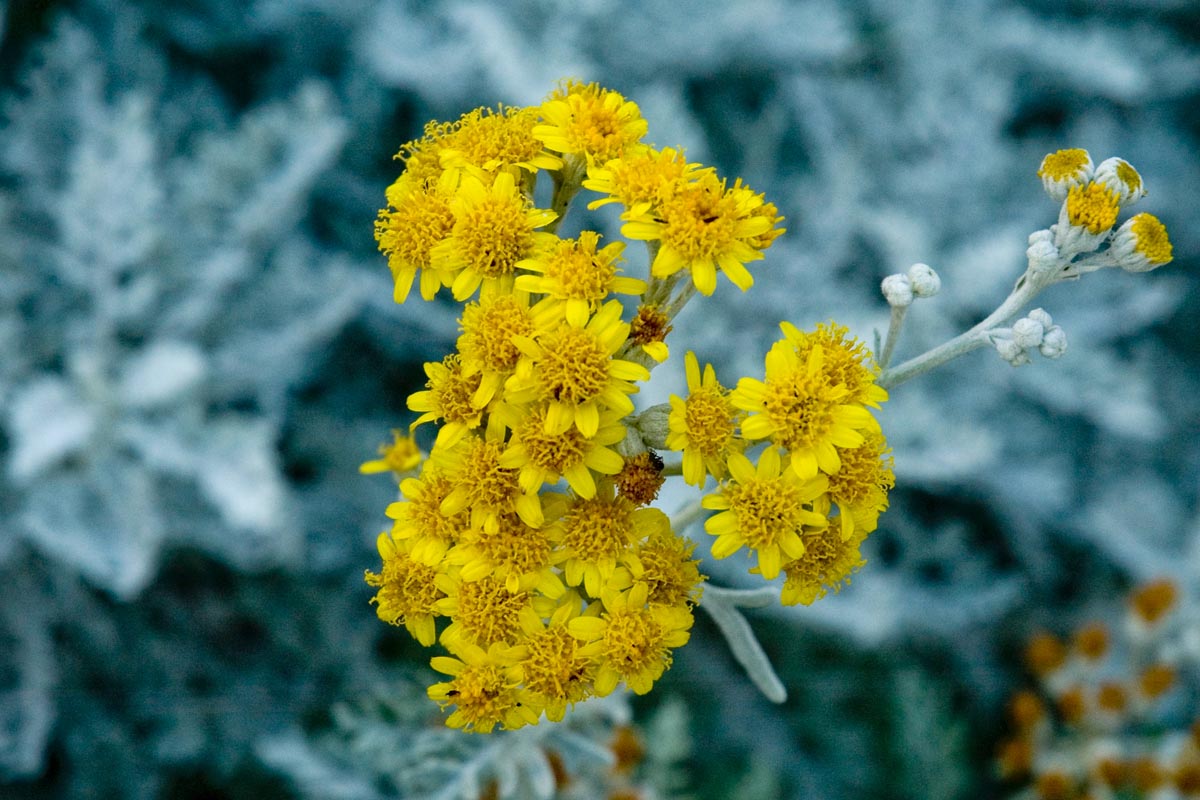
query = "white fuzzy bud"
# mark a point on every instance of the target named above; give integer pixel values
(1043, 255)
(897, 290)
(1054, 342)
(925, 282)
(1119, 175)
(1012, 352)
(1027, 333)
(1040, 315)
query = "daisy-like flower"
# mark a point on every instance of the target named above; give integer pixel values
(633, 641)
(594, 533)
(419, 521)
(648, 330)
(1141, 244)
(556, 667)
(484, 688)
(402, 455)
(1093, 206)
(586, 120)
(515, 553)
(449, 397)
(845, 360)
(574, 372)
(828, 561)
(484, 488)
(576, 277)
(764, 508)
(408, 594)
(495, 228)
(1064, 169)
(703, 227)
(664, 563)
(1118, 175)
(703, 426)
(497, 140)
(799, 408)
(419, 217)
(482, 612)
(488, 341)
(860, 487)
(641, 179)
(545, 457)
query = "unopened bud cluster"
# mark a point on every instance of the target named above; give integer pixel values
(901, 289)
(1034, 332)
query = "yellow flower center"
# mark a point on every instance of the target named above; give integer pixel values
(488, 329)
(767, 509)
(844, 361)
(573, 367)
(864, 469)
(515, 546)
(554, 452)
(486, 483)
(452, 391)
(408, 233)
(505, 137)
(1093, 207)
(1152, 241)
(646, 176)
(827, 563)
(493, 235)
(669, 570)
(481, 692)
(1129, 176)
(553, 666)
(1063, 164)
(649, 325)
(421, 513)
(709, 417)
(488, 611)
(406, 589)
(597, 528)
(633, 641)
(801, 407)
(700, 220)
(579, 271)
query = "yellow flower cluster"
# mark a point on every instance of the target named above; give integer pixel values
(822, 478)
(525, 543)
(1100, 722)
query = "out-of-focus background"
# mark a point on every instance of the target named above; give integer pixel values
(198, 346)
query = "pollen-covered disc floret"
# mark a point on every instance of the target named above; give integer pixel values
(526, 543)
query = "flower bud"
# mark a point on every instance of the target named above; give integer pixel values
(1040, 315)
(1054, 342)
(1118, 175)
(925, 282)
(1012, 352)
(1141, 244)
(1043, 255)
(1027, 333)
(1063, 169)
(897, 290)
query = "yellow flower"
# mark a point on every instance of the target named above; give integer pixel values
(488, 341)
(576, 277)
(648, 330)
(1093, 207)
(1141, 244)
(515, 553)
(586, 120)
(596, 532)
(419, 521)
(482, 612)
(496, 140)
(556, 667)
(664, 563)
(632, 640)
(574, 372)
(408, 594)
(828, 561)
(764, 508)
(703, 425)
(799, 408)
(845, 360)
(1064, 169)
(402, 455)
(545, 457)
(641, 179)
(419, 218)
(494, 229)
(860, 487)
(484, 488)
(449, 398)
(703, 227)
(484, 687)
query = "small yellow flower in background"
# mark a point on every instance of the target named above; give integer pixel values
(765, 508)
(703, 425)
(586, 120)
(402, 455)
(1064, 169)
